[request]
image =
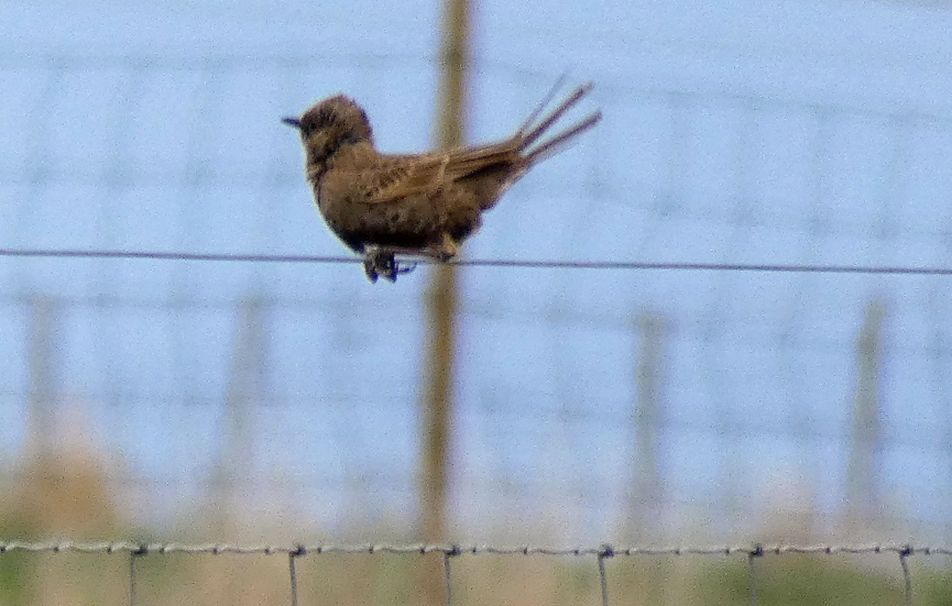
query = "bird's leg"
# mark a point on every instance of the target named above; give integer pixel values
(445, 250)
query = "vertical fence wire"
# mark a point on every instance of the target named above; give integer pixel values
(132, 578)
(292, 572)
(606, 551)
(906, 575)
(134, 556)
(757, 552)
(447, 572)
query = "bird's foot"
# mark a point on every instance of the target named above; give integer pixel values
(380, 262)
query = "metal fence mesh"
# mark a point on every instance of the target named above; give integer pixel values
(662, 398)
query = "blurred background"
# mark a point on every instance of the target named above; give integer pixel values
(197, 401)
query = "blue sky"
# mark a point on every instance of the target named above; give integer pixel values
(777, 132)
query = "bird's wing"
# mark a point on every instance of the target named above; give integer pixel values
(400, 176)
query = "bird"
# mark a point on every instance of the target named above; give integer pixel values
(419, 205)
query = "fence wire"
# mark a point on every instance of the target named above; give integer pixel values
(136, 551)
(292, 571)
(499, 263)
(455, 550)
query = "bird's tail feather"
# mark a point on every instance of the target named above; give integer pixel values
(558, 142)
(541, 106)
(528, 134)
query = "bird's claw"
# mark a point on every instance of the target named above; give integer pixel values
(405, 268)
(382, 263)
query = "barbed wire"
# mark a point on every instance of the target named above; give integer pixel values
(452, 549)
(500, 263)
(136, 550)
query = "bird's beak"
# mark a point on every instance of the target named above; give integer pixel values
(292, 122)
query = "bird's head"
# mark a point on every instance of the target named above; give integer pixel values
(330, 124)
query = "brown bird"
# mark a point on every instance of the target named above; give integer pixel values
(422, 204)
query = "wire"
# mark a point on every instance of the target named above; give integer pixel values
(507, 263)
(144, 549)
(174, 256)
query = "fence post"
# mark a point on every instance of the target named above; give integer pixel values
(443, 300)
(861, 496)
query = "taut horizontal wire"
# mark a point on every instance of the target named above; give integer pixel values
(140, 548)
(172, 256)
(509, 263)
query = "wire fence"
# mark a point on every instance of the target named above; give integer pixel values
(752, 552)
(828, 199)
